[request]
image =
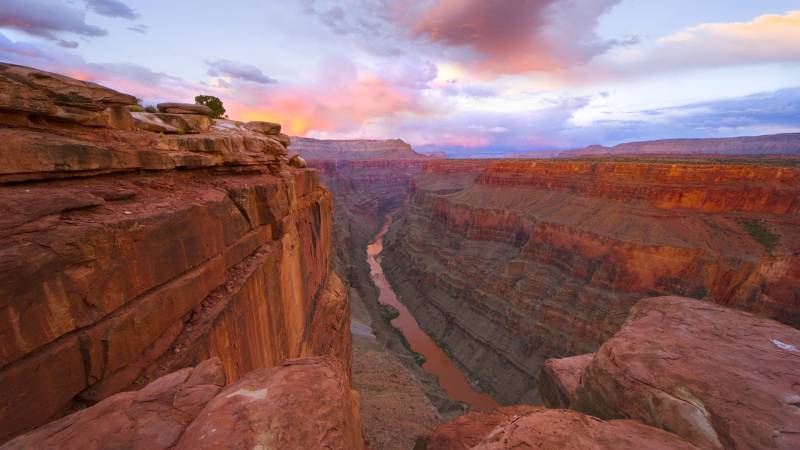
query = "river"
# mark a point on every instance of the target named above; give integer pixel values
(451, 379)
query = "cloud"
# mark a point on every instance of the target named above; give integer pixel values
(341, 99)
(761, 113)
(517, 37)
(238, 71)
(139, 28)
(771, 38)
(111, 8)
(10, 50)
(46, 19)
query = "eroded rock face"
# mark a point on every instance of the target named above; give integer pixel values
(556, 429)
(530, 260)
(560, 377)
(718, 377)
(306, 403)
(116, 269)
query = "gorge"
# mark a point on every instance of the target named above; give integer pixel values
(172, 280)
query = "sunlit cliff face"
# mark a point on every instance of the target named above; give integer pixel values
(465, 76)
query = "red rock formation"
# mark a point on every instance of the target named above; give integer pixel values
(154, 417)
(470, 429)
(542, 259)
(116, 268)
(305, 403)
(560, 377)
(720, 378)
(528, 427)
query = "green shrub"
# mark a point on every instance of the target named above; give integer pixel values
(217, 109)
(761, 234)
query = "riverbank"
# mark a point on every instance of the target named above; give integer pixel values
(436, 362)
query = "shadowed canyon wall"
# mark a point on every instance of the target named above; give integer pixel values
(126, 254)
(539, 259)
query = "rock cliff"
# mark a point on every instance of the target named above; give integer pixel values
(127, 254)
(539, 259)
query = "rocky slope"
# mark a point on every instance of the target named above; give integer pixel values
(127, 254)
(540, 259)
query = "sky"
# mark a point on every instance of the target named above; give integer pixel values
(467, 77)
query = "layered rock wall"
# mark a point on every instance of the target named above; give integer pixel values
(535, 260)
(126, 254)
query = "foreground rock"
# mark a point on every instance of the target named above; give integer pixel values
(470, 429)
(126, 254)
(558, 429)
(154, 417)
(559, 379)
(718, 377)
(306, 404)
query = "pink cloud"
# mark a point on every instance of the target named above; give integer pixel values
(517, 36)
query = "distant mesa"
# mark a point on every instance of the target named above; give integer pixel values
(773, 144)
(355, 149)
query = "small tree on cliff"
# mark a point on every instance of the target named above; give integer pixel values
(217, 110)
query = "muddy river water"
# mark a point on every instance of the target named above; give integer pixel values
(452, 380)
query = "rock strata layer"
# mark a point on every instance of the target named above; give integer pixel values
(517, 262)
(127, 254)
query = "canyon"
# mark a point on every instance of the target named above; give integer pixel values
(172, 280)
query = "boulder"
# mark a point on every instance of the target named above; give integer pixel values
(154, 417)
(297, 161)
(307, 403)
(268, 128)
(283, 139)
(560, 377)
(184, 108)
(718, 377)
(471, 428)
(559, 429)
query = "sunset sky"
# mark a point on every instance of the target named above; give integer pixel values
(469, 77)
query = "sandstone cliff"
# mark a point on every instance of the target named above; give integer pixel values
(540, 259)
(126, 254)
